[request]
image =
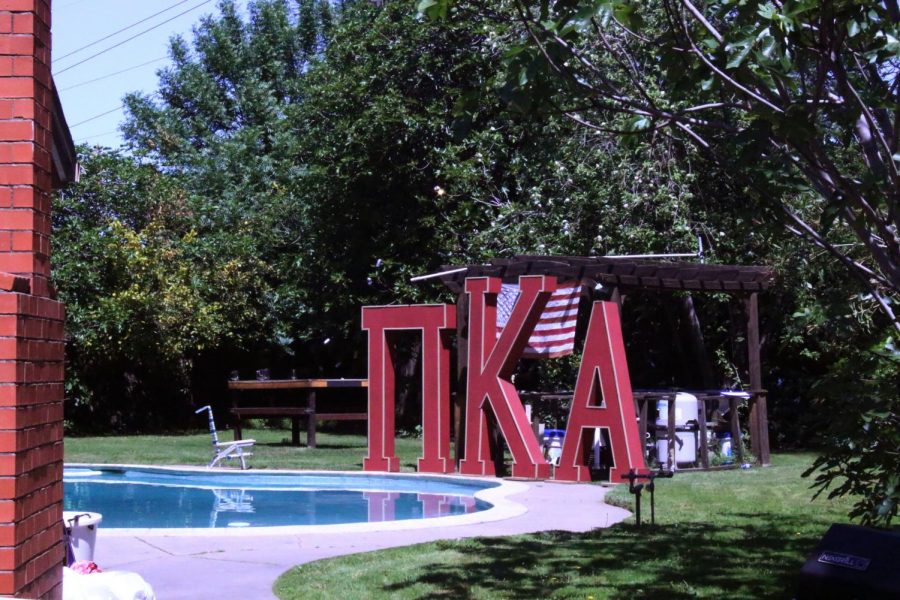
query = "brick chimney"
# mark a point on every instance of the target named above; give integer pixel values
(31, 320)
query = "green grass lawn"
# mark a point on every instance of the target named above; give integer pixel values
(272, 450)
(726, 534)
(734, 534)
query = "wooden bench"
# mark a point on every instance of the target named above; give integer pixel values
(294, 412)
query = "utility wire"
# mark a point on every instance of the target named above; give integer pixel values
(103, 114)
(115, 33)
(108, 75)
(95, 117)
(125, 41)
(96, 135)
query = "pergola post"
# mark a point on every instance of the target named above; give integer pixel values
(759, 418)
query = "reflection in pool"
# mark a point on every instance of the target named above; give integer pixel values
(137, 498)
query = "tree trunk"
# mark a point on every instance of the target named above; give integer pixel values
(698, 343)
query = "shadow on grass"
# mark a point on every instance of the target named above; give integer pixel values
(757, 559)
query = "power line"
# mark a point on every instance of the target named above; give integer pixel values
(125, 41)
(95, 117)
(115, 33)
(107, 76)
(96, 135)
(103, 114)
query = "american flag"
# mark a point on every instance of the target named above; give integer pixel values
(554, 335)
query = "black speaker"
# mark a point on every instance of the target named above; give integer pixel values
(852, 562)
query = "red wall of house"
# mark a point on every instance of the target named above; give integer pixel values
(31, 322)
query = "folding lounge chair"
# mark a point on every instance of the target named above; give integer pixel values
(226, 450)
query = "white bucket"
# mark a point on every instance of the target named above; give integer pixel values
(81, 528)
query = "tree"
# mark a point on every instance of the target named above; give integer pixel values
(356, 176)
(799, 102)
(145, 294)
(795, 93)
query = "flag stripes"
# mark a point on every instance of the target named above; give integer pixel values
(554, 335)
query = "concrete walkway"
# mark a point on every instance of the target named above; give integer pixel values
(241, 565)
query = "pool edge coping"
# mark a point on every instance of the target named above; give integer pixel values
(503, 507)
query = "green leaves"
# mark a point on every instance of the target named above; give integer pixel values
(434, 9)
(146, 293)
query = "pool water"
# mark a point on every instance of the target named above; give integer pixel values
(166, 498)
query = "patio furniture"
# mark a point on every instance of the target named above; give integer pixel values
(309, 387)
(226, 450)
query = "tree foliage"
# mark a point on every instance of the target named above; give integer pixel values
(795, 93)
(798, 103)
(863, 457)
(145, 294)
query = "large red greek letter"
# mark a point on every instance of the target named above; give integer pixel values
(603, 364)
(492, 361)
(436, 322)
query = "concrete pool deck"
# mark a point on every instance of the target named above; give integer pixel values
(246, 565)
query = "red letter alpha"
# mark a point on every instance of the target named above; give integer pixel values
(603, 362)
(492, 361)
(435, 321)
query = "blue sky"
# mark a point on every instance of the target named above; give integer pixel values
(77, 23)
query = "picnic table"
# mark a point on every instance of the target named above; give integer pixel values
(244, 405)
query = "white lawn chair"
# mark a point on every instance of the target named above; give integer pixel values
(226, 450)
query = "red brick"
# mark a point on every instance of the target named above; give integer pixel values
(24, 241)
(47, 583)
(25, 66)
(19, 219)
(18, 5)
(7, 579)
(26, 197)
(17, 152)
(17, 45)
(7, 511)
(9, 303)
(24, 395)
(9, 373)
(24, 109)
(32, 437)
(18, 262)
(10, 324)
(21, 417)
(11, 283)
(18, 175)
(7, 489)
(23, 23)
(15, 131)
(5, 23)
(18, 87)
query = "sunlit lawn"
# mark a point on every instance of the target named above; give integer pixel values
(728, 534)
(273, 450)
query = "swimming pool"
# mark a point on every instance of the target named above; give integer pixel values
(132, 497)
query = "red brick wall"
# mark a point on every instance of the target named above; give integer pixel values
(25, 140)
(31, 323)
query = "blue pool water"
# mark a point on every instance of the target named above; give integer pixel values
(158, 498)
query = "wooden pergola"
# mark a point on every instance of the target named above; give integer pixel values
(617, 277)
